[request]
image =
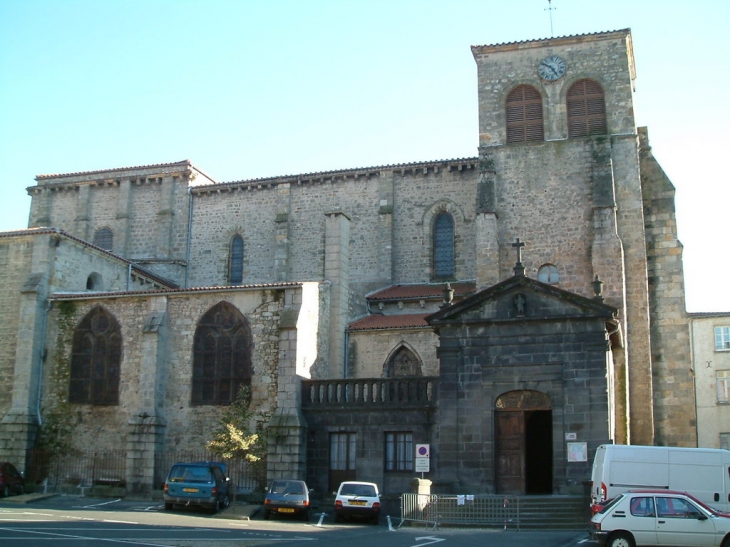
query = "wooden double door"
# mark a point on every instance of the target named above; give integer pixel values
(524, 443)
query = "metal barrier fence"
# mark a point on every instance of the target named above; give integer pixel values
(82, 469)
(481, 510)
(86, 469)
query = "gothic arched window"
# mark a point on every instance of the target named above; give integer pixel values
(443, 246)
(104, 238)
(524, 115)
(235, 261)
(403, 363)
(96, 356)
(586, 109)
(221, 356)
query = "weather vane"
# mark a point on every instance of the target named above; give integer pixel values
(550, 10)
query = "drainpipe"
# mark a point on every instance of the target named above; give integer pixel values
(190, 237)
(41, 358)
(129, 276)
(347, 355)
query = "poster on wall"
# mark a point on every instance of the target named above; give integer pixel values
(577, 452)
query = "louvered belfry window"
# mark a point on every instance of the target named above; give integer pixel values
(586, 109)
(524, 115)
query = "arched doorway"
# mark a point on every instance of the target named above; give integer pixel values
(524, 443)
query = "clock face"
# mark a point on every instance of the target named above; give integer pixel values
(551, 68)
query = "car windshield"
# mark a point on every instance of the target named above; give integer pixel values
(186, 473)
(286, 488)
(365, 490)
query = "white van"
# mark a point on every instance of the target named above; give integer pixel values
(702, 472)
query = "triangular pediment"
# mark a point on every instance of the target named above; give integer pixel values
(521, 298)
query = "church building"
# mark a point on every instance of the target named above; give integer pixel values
(512, 311)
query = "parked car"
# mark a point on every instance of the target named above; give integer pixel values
(357, 499)
(659, 517)
(11, 481)
(201, 484)
(288, 497)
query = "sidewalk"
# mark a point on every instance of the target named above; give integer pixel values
(238, 511)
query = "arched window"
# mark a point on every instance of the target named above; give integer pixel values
(221, 356)
(403, 362)
(104, 238)
(443, 246)
(235, 261)
(548, 274)
(96, 356)
(94, 282)
(524, 115)
(586, 109)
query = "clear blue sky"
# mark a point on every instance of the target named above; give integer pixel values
(256, 88)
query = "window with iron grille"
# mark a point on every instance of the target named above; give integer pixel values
(104, 238)
(96, 355)
(586, 109)
(725, 442)
(722, 379)
(221, 356)
(443, 246)
(524, 115)
(235, 261)
(722, 338)
(399, 451)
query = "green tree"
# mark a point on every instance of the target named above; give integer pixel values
(233, 439)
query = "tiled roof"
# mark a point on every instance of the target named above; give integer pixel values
(185, 163)
(371, 322)
(429, 290)
(556, 38)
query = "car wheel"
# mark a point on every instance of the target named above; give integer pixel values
(306, 515)
(6, 491)
(225, 502)
(375, 520)
(620, 539)
(726, 541)
(267, 514)
(168, 506)
(21, 490)
(338, 517)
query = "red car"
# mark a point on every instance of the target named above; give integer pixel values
(11, 481)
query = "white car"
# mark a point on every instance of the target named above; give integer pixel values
(659, 517)
(358, 499)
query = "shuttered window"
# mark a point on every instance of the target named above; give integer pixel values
(586, 109)
(524, 115)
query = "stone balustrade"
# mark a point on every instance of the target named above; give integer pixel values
(370, 392)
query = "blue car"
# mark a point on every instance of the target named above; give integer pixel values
(199, 484)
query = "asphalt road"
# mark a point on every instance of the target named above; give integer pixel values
(70, 521)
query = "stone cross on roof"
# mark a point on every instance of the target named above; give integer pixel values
(519, 269)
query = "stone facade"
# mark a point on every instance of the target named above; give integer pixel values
(338, 282)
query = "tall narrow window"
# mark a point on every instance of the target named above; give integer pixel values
(443, 246)
(399, 452)
(221, 356)
(403, 363)
(586, 109)
(104, 238)
(235, 261)
(722, 338)
(524, 115)
(343, 459)
(96, 356)
(722, 377)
